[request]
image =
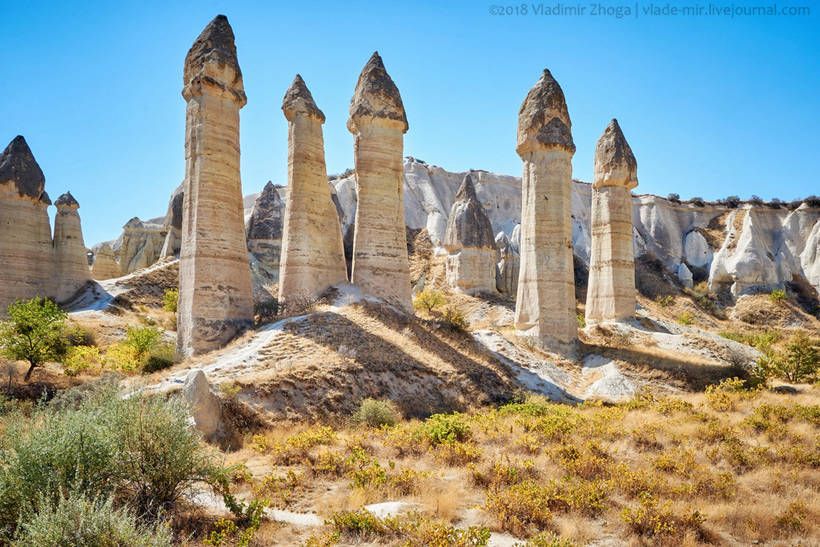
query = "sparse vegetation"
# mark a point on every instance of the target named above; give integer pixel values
(453, 319)
(429, 300)
(685, 318)
(170, 299)
(777, 296)
(665, 300)
(373, 413)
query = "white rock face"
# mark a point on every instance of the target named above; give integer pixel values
(685, 276)
(105, 265)
(696, 250)
(206, 409)
(140, 245)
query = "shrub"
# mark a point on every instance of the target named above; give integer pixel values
(265, 311)
(170, 299)
(429, 300)
(697, 201)
(581, 319)
(755, 200)
(142, 339)
(446, 428)
(665, 301)
(801, 360)
(373, 413)
(121, 357)
(78, 335)
(78, 520)
(777, 296)
(675, 198)
(521, 507)
(82, 358)
(724, 395)
(732, 202)
(161, 357)
(685, 318)
(453, 319)
(33, 333)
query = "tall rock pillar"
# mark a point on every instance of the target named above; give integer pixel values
(470, 244)
(378, 122)
(215, 301)
(611, 289)
(25, 230)
(313, 256)
(545, 303)
(71, 269)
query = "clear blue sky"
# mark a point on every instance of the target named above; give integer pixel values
(711, 106)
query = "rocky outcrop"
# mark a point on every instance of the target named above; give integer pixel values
(508, 265)
(312, 248)
(545, 302)
(71, 270)
(263, 231)
(378, 123)
(470, 244)
(611, 285)
(215, 299)
(105, 265)
(205, 406)
(173, 224)
(140, 245)
(25, 230)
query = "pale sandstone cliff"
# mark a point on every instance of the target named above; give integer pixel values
(71, 271)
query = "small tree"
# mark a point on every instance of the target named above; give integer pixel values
(801, 360)
(429, 299)
(143, 339)
(33, 333)
(169, 300)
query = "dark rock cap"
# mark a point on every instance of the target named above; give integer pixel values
(299, 100)
(468, 225)
(266, 216)
(544, 102)
(555, 134)
(615, 163)
(66, 200)
(214, 46)
(44, 198)
(17, 164)
(376, 96)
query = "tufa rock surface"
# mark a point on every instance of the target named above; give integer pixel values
(312, 249)
(105, 265)
(264, 233)
(611, 286)
(378, 123)
(71, 270)
(215, 297)
(205, 406)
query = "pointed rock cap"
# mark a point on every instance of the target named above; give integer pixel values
(544, 103)
(211, 63)
(615, 164)
(17, 165)
(66, 200)
(376, 97)
(133, 224)
(266, 216)
(468, 225)
(298, 100)
(44, 198)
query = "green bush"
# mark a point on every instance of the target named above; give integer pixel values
(801, 360)
(33, 333)
(581, 319)
(170, 299)
(82, 358)
(78, 335)
(777, 295)
(429, 300)
(373, 413)
(93, 442)
(142, 339)
(78, 520)
(159, 358)
(446, 428)
(685, 318)
(453, 319)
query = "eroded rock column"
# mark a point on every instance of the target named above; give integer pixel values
(215, 301)
(25, 231)
(312, 251)
(611, 289)
(470, 244)
(71, 270)
(378, 122)
(105, 264)
(545, 302)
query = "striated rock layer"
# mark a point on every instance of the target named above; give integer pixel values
(173, 224)
(312, 250)
(71, 270)
(105, 265)
(378, 122)
(470, 244)
(545, 302)
(508, 265)
(263, 230)
(215, 301)
(25, 230)
(611, 285)
(139, 245)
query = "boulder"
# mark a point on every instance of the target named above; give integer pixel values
(696, 250)
(206, 408)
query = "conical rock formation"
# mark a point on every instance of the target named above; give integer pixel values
(545, 303)
(215, 300)
(71, 270)
(105, 264)
(470, 243)
(264, 232)
(312, 248)
(378, 122)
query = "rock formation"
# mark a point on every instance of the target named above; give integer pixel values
(545, 303)
(215, 301)
(611, 285)
(206, 408)
(264, 233)
(71, 270)
(312, 249)
(105, 265)
(25, 230)
(173, 224)
(140, 245)
(378, 122)
(470, 244)
(508, 265)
